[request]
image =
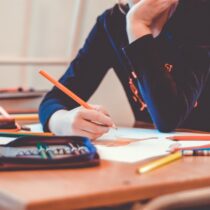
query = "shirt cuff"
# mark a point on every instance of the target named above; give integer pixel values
(46, 113)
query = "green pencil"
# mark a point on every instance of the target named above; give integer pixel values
(42, 151)
(24, 133)
(48, 151)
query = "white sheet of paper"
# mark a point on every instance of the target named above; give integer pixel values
(135, 151)
(111, 147)
(34, 127)
(37, 127)
(127, 144)
(141, 133)
(6, 140)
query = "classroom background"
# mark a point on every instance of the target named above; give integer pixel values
(37, 34)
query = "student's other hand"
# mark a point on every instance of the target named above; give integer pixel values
(148, 17)
(81, 122)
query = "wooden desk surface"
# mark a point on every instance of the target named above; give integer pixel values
(109, 183)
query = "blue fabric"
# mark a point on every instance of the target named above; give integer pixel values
(170, 96)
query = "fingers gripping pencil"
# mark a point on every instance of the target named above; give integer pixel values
(67, 91)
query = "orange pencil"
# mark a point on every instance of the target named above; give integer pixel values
(35, 133)
(68, 92)
(23, 117)
(190, 138)
(65, 90)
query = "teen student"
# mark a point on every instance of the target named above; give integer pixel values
(159, 51)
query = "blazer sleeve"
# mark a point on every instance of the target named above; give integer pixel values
(83, 75)
(170, 94)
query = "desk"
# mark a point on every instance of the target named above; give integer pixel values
(109, 183)
(21, 101)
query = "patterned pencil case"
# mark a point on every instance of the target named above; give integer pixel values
(30, 152)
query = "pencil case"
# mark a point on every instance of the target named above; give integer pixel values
(38, 152)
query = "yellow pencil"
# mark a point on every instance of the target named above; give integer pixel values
(160, 162)
(23, 117)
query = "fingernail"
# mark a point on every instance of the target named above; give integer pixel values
(114, 126)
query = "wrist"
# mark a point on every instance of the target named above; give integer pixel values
(54, 124)
(136, 30)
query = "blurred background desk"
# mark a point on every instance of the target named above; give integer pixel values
(21, 101)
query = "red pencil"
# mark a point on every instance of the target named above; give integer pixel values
(190, 138)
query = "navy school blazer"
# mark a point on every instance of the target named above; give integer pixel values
(166, 79)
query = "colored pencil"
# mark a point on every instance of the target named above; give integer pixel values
(160, 162)
(48, 151)
(68, 92)
(42, 151)
(206, 146)
(190, 138)
(19, 117)
(197, 152)
(24, 133)
(65, 90)
(25, 117)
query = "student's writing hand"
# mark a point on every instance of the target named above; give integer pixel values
(148, 17)
(81, 121)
